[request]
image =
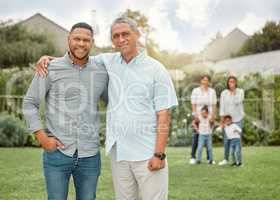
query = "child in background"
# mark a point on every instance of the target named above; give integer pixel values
(233, 133)
(204, 129)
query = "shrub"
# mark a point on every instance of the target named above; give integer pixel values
(31, 141)
(20, 47)
(274, 138)
(12, 131)
(14, 81)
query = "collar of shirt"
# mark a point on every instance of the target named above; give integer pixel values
(136, 60)
(203, 90)
(68, 60)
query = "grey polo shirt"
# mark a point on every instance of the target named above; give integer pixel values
(71, 96)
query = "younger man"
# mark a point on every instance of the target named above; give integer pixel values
(71, 92)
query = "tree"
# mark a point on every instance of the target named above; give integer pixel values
(268, 39)
(20, 47)
(169, 59)
(145, 30)
(142, 22)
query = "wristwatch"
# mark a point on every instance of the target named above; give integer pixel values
(160, 155)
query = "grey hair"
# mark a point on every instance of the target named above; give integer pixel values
(125, 20)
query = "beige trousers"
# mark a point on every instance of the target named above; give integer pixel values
(134, 181)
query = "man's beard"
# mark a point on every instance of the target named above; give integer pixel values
(73, 54)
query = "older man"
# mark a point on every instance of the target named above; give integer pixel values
(141, 95)
(71, 92)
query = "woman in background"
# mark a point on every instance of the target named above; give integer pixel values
(202, 95)
(231, 103)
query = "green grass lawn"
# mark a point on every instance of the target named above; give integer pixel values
(259, 179)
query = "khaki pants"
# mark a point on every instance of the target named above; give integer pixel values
(134, 181)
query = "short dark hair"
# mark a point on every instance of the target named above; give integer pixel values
(204, 108)
(82, 25)
(228, 117)
(206, 76)
(231, 77)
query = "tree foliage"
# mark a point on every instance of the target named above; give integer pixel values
(141, 20)
(19, 47)
(12, 131)
(169, 59)
(268, 39)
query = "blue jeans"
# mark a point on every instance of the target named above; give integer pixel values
(205, 140)
(226, 147)
(58, 169)
(235, 145)
(227, 142)
(195, 137)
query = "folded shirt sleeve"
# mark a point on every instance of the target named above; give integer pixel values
(164, 91)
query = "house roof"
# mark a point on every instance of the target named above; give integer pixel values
(236, 30)
(223, 47)
(229, 35)
(45, 18)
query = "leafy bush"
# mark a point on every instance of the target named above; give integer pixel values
(12, 131)
(267, 39)
(14, 81)
(180, 138)
(251, 135)
(274, 138)
(31, 141)
(20, 47)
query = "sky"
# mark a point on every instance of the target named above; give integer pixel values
(179, 25)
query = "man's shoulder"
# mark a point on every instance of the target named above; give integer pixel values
(93, 65)
(155, 66)
(105, 56)
(105, 59)
(57, 63)
(154, 62)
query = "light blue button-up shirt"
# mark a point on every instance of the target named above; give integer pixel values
(137, 91)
